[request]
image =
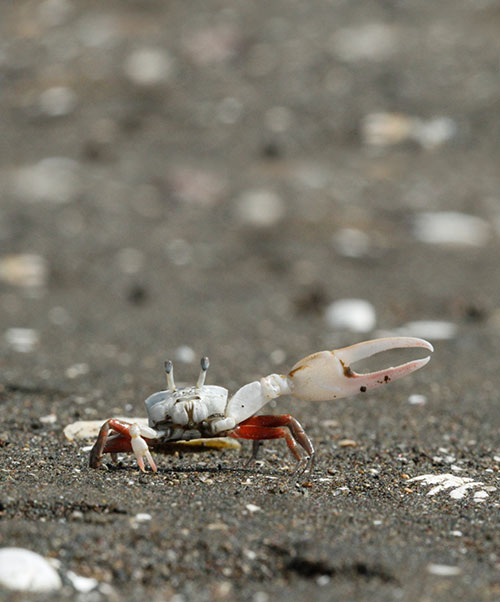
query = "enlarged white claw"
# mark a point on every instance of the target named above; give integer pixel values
(140, 447)
(327, 374)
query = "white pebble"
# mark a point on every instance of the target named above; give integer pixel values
(24, 570)
(143, 517)
(451, 228)
(77, 370)
(51, 180)
(456, 533)
(388, 129)
(149, 66)
(22, 340)
(26, 269)
(185, 354)
(351, 242)
(48, 419)
(253, 508)
(430, 329)
(82, 584)
(130, 261)
(372, 42)
(57, 101)
(260, 208)
(417, 400)
(356, 315)
(444, 570)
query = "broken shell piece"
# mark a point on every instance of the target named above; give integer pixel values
(89, 429)
(25, 269)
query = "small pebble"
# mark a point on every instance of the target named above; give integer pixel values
(347, 443)
(260, 208)
(51, 180)
(417, 399)
(185, 354)
(389, 129)
(48, 419)
(430, 329)
(77, 370)
(142, 517)
(57, 101)
(371, 42)
(355, 315)
(351, 242)
(444, 570)
(253, 508)
(82, 584)
(22, 340)
(148, 67)
(451, 228)
(130, 261)
(24, 570)
(26, 269)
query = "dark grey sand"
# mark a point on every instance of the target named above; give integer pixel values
(150, 246)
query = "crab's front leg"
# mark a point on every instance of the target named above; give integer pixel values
(124, 437)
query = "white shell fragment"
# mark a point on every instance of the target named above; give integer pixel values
(57, 101)
(458, 486)
(444, 570)
(24, 570)
(51, 180)
(22, 340)
(451, 228)
(89, 429)
(26, 269)
(82, 584)
(356, 315)
(148, 67)
(434, 330)
(260, 208)
(389, 129)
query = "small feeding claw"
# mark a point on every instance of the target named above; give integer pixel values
(328, 374)
(140, 447)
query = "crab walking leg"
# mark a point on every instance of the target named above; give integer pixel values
(127, 437)
(259, 428)
(140, 447)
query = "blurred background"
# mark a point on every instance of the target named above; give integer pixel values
(252, 181)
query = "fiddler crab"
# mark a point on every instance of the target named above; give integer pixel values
(204, 411)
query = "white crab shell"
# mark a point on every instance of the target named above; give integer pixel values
(186, 408)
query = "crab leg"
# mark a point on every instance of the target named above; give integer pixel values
(328, 374)
(325, 375)
(126, 437)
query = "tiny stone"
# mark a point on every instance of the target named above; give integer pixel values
(253, 508)
(57, 101)
(149, 67)
(370, 42)
(444, 570)
(22, 340)
(355, 315)
(143, 517)
(77, 370)
(24, 570)
(417, 400)
(347, 443)
(277, 357)
(430, 329)
(451, 228)
(185, 354)
(48, 419)
(26, 269)
(51, 180)
(351, 242)
(82, 584)
(260, 208)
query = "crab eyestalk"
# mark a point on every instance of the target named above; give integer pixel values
(205, 363)
(169, 371)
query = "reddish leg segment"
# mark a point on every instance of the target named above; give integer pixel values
(284, 426)
(118, 441)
